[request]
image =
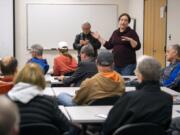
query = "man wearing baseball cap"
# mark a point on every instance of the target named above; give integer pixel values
(106, 83)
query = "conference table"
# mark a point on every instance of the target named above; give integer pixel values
(57, 86)
(49, 91)
(96, 114)
(71, 90)
(52, 81)
(86, 115)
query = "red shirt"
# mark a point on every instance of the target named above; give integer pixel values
(6, 83)
(64, 64)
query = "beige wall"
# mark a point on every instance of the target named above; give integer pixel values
(134, 7)
(136, 10)
(173, 21)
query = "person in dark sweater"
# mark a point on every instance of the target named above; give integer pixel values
(124, 42)
(86, 68)
(85, 38)
(147, 104)
(33, 105)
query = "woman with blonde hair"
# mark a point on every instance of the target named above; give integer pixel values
(33, 105)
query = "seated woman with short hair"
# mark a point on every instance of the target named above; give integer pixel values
(33, 105)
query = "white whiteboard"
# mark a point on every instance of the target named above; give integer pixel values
(47, 24)
(6, 28)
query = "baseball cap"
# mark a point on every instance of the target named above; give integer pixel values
(63, 45)
(105, 58)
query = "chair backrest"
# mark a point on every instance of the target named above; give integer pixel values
(105, 101)
(140, 129)
(39, 129)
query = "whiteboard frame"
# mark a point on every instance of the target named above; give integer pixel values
(27, 4)
(14, 29)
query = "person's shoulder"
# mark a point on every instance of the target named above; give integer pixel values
(132, 94)
(166, 95)
(178, 63)
(172, 67)
(167, 98)
(32, 59)
(78, 35)
(92, 63)
(82, 65)
(45, 99)
(59, 57)
(89, 81)
(132, 31)
(87, 64)
(37, 60)
(116, 31)
(43, 61)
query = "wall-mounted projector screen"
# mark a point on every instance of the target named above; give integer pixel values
(6, 27)
(47, 24)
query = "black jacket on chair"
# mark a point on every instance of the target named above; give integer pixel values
(43, 109)
(85, 70)
(147, 104)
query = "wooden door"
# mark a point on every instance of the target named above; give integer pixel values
(155, 29)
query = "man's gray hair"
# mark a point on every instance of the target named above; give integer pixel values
(9, 116)
(149, 68)
(176, 47)
(87, 24)
(38, 49)
(88, 50)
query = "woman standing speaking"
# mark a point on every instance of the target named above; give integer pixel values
(124, 42)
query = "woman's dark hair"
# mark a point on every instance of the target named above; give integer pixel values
(125, 14)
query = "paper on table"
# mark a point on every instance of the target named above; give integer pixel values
(101, 115)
